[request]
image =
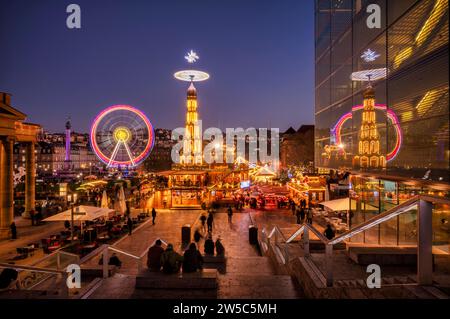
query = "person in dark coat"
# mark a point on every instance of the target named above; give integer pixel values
(115, 261)
(7, 277)
(170, 260)
(293, 208)
(209, 246)
(309, 216)
(13, 230)
(302, 214)
(230, 214)
(192, 259)
(329, 232)
(197, 236)
(153, 215)
(32, 217)
(209, 222)
(220, 250)
(297, 214)
(203, 221)
(130, 226)
(154, 256)
(303, 203)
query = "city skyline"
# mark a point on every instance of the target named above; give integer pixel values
(128, 54)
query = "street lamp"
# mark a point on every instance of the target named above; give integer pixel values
(72, 200)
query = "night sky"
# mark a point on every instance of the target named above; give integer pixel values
(259, 54)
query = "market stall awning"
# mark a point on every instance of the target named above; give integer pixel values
(81, 213)
(337, 204)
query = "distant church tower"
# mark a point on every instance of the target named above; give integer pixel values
(369, 155)
(192, 141)
(67, 159)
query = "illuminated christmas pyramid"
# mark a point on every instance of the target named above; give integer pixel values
(192, 142)
(369, 154)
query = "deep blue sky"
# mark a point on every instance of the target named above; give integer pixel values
(259, 54)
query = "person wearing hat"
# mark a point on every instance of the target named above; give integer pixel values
(171, 260)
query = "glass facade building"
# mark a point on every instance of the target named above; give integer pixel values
(382, 106)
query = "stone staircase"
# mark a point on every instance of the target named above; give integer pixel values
(255, 278)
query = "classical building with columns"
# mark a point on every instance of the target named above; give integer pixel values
(14, 129)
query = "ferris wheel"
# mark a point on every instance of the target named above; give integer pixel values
(122, 136)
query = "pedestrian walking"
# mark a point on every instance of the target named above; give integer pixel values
(203, 221)
(302, 214)
(13, 230)
(130, 225)
(293, 208)
(309, 216)
(32, 216)
(297, 214)
(209, 222)
(230, 214)
(153, 215)
(303, 203)
(197, 236)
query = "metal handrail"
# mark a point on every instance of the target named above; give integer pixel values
(302, 229)
(63, 274)
(387, 215)
(277, 230)
(391, 213)
(31, 268)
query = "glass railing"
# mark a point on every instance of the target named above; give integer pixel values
(403, 210)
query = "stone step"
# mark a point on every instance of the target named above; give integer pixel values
(257, 287)
(419, 292)
(438, 294)
(245, 265)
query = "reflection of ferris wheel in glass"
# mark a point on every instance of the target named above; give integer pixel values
(122, 136)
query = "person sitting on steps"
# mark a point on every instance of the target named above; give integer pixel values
(209, 245)
(154, 256)
(192, 259)
(171, 260)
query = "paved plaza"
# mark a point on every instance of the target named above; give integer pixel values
(248, 275)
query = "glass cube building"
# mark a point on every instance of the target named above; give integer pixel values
(382, 106)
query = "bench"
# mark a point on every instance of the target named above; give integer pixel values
(215, 262)
(205, 279)
(96, 271)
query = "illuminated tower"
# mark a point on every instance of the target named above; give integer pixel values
(192, 141)
(369, 155)
(67, 159)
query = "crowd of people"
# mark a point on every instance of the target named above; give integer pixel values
(169, 261)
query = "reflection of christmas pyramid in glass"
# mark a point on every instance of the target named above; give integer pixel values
(369, 155)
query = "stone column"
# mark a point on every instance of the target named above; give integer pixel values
(425, 244)
(6, 187)
(30, 179)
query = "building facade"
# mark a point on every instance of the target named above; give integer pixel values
(382, 106)
(51, 156)
(297, 147)
(160, 159)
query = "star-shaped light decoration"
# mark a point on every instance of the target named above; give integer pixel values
(192, 57)
(369, 55)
